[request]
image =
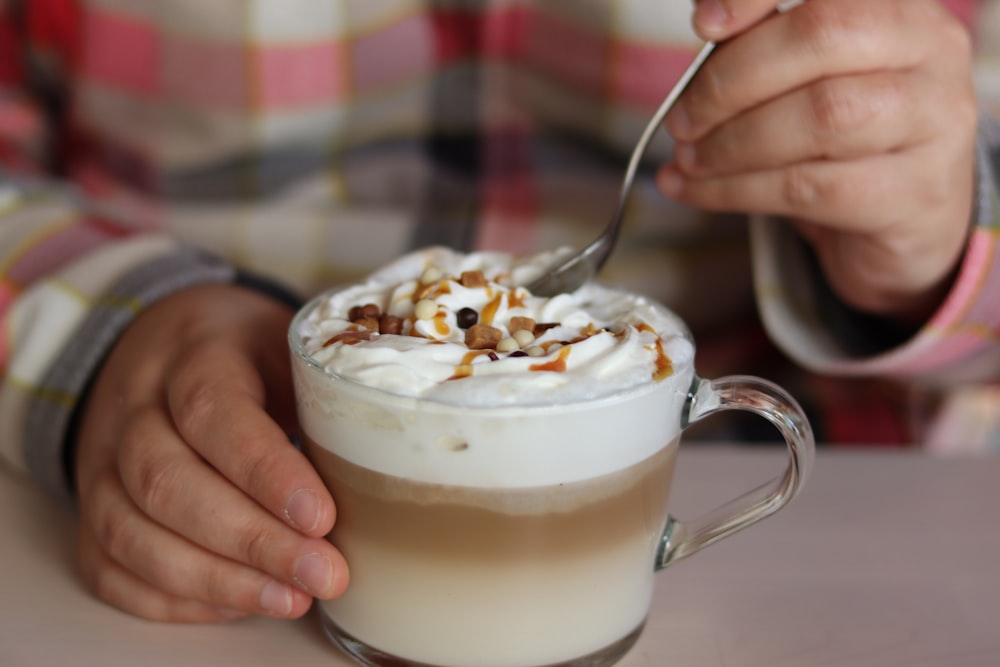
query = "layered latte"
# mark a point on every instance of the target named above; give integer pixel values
(500, 461)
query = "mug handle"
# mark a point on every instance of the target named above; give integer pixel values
(761, 397)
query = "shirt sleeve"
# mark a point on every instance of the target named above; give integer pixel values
(72, 275)
(959, 344)
(64, 299)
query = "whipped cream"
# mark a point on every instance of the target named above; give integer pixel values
(573, 347)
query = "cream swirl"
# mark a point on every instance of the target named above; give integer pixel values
(464, 332)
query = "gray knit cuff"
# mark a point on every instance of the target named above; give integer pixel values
(987, 203)
(49, 416)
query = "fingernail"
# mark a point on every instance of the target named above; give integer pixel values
(685, 155)
(314, 573)
(276, 598)
(302, 510)
(712, 16)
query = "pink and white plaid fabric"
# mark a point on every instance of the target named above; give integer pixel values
(310, 141)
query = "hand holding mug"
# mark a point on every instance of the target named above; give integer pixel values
(194, 505)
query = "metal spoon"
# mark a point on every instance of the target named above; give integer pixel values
(570, 273)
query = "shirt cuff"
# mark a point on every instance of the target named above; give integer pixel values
(958, 344)
(50, 414)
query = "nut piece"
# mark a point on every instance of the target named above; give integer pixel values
(473, 279)
(369, 323)
(482, 337)
(524, 337)
(425, 309)
(390, 324)
(521, 324)
(507, 344)
(431, 274)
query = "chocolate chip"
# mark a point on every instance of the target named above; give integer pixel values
(370, 310)
(354, 314)
(466, 317)
(518, 353)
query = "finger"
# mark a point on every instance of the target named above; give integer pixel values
(177, 567)
(174, 486)
(719, 19)
(861, 195)
(837, 118)
(818, 39)
(215, 399)
(122, 589)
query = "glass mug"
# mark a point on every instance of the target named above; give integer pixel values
(549, 559)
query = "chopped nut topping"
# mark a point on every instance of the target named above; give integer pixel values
(524, 337)
(431, 274)
(473, 279)
(482, 337)
(425, 309)
(390, 324)
(423, 292)
(369, 323)
(521, 324)
(507, 344)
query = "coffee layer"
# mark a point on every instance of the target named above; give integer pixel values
(510, 577)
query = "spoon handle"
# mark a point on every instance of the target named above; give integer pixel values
(570, 273)
(661, 112)
(601, 244)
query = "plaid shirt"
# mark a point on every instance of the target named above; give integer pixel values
(157, 145)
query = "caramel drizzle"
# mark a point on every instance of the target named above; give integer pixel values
(440, 325)
(435, 288)
(664, 367)
(350, 337)
(515, 298)
(464, 369)
(489, 311)
(557, 365)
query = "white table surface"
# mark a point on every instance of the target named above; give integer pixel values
(885, 560)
